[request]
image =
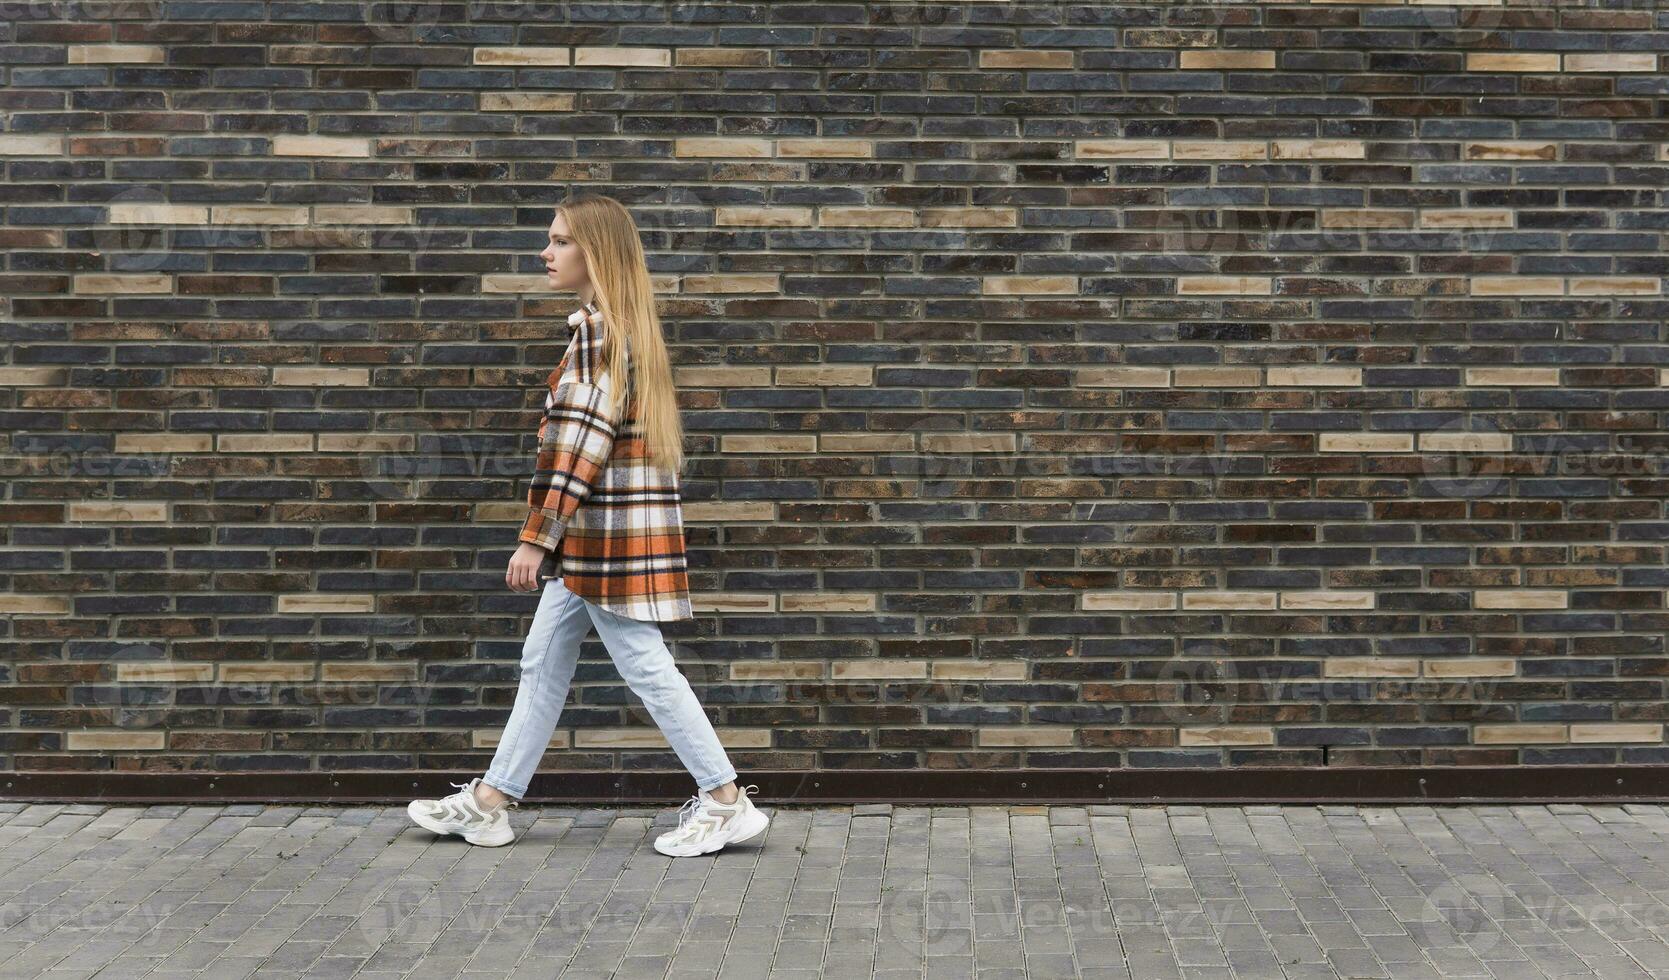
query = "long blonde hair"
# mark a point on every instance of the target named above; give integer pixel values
(608, 238)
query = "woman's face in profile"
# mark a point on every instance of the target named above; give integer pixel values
(564, 263)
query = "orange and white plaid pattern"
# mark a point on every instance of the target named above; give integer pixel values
(612, 521)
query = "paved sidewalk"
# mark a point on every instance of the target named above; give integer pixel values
(227, 891)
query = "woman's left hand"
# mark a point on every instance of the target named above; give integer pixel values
(522, 574)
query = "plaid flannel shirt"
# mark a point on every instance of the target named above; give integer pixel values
(611, 520)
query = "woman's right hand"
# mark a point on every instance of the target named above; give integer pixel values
(522, 574)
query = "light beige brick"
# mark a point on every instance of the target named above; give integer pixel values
(1615, 286)
(970, 218)
(510, 282)
(827, 602)
(1367, 218)
(1124, 377)
(117, 54)
(866, 442)
(1520, 599)
(1226, 59)
(620, 57)
(114, 512)
(17, 377)
(776, 217)
(33, 604)
(1365, 442)
(1226, 735)
(113, 741)
(877, 670)
(1330, 376)
(487, 738)
(1318, 150)
(1235, 376)
(1611, 61)
(158, 214)
(314, 377)
(1023, 285)
(827, 375)
(31, 145)
(722, 57)
(1518, 286)
(1231, 599)
(1016, 58)
(968, 442)
(1470, 667)
(359, 673)
(1512, 150)
(164, 442)
(380, 442)
(301, 145)
(1603, 731)
(777, 670)
(527, 101)
(258, 214)
(825, 149)
(163, 672)
(265, 443)
(1022, 736)
(1517, 377)
(520, 55)
(1128, 601)
(637, 737)
(1467, 218)
(361, 214)
(327, 603)
(839, 217)
(1466, 442)
(718, 511)
(1511, 61)
(1326, 599)
(1517, 734)
(710, 376)
(264, 673)
(1219, 150)
(1370, 667)
(1116, 149)
(741, 602)
(979, 670)
(720, 146)
(95, 284)
(1224, 285)
(768, 283)
(795, 443)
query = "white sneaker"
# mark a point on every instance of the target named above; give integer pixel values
(461, 813)
(705, 824)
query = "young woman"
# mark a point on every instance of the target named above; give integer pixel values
(604, 541)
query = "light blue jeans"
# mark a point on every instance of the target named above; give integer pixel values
(549, 657)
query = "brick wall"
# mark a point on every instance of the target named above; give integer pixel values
(1067, 385)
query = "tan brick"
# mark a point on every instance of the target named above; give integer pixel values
(527, 101)
(1511, 61)
(877, 670)
(361, 214)
(839, 217)
(314, 377)
(1115, 149)
(1124, 377)
(1365, 442)
(718, 511)
(1023, 285)
(1228, 600)
(115, 512)
(1228, 59)
(722, 57)
(1219, 150)
(1225, 735)
(509, 282)
(381, 442)
(327, 603)
(258, 214)
(20, 145)
(1326, 599)
(117, 54)
(826, 149)
(1366, 218)
(619, 57)
(163, 672)
(720, 146)
(1021, 736)
(1603, 731)
(164, 442)
(1518, 286)
(1471, 667)
(827, 375)
(709, 376)
(1611, 61)
(637, 737)
(32, 604)
(1517, 377)
(968, 442)
(769, 217)
(1466, 442)
(113, 741)
(358, 673)
(1517, 734)
(1128, 601)
(158, 214)
(1520, 599)
(979, 670)
(265, 443)
(827, 602)
(1224, 285)
(777, 670)
(1330, 376)
(1467, 218)
(521, 55)
(253, 673)
(94, 284)
(16, 377)
(1615, 286)
(1248, 376)
(1318, 150)
(796, 443)
(970, 218)
(1369, 667)
(769, 283)
(741, 602)
(320, 146)
(867, 442)
(487, 738)
(1037, 58)
(1512, 150)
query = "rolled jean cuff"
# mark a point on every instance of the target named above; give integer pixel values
(720, 781)
(504, 787)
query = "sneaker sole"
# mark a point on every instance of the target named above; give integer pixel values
(753, 823)
(482, 838)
